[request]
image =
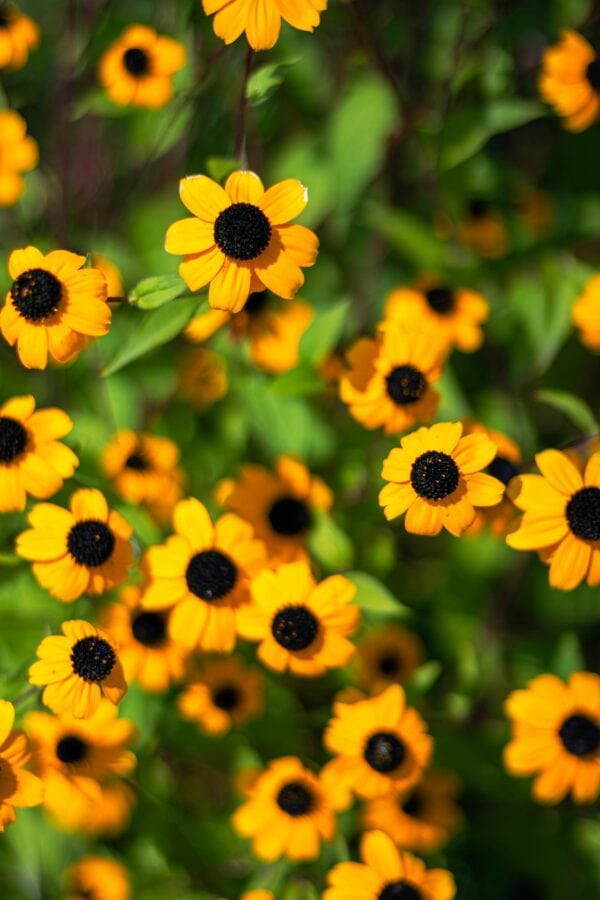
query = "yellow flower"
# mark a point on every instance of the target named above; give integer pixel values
(18, 35)
(32, 460)
(436, 479)
(203, 571)
(261, 19)
(203, 378)
(288, 812)
(278, 505)
(258, 895)
(240, 239)
(17, 786)
(84, 551)
(112, 276)
(586, 314)
(144, 469)
(98, 878)
(225, 694)
(138, 68)
(422, 818)
(110, 813)
(18, 153)
(381, 745)
(388, 656)
(77, 669)
(389, 380)
(453, 315)
(556, 736)
(483, 230)
(53, 306)
(505, 466)
(387, 874)
(301, 625)
(570, 80)
(562, 517)
(73, 756)
(147, 652)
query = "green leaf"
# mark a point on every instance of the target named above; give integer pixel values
(409, 235)
(329, 544)
(302, 381)
(323, 333)
(468, 130)
(372, 596)
(150, 293)
(219, 167)
(425, 677)
(568, 657)
(156, 328)
(263, 82)
(571, 406)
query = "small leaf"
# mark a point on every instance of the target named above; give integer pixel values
(329, 544)
(568, 657)
(374, 597)
(302, 381)
(219, 167)
(265, 80)
(150, 293)
(425, 677)
(571, 406)
(468, 130)
(323, 333)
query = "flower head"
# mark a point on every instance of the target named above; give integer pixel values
(203, 378)
(261, 19)
(223, 695)
(388, 656)
(18, 154)
(570, 80)
(586, 314)
(482, 230)
(18, 35)
(17, 786)
(138, 68)
(98, 877)
(505, 466)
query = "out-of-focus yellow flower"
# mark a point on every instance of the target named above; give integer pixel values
(203, 378)
(18, 153)
(570, 80)
(18, 35)
(138, 68)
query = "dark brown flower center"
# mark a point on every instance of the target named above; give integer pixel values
(295, 627)
(93, 658)
(295, 799)
(389, 664)
(413, 805)
(90, 543)
(384, 752)
(405, 385)
(593, 74)
(256, 302)
(36, 294)
(138, 462)
(399, 890)
(478, 207)
(13, 439)
(502, 469)
(242, 231)
(71, 749)
(289, 516)
(583, 514)
(211, 575)
(434, 475)
(227, 697)
(149, 629)
(440, 300)
(136, 61)
(580, 735)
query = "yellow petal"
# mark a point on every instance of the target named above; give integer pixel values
(245, 187)
(203, 197)
(189, 236)
(284, 201)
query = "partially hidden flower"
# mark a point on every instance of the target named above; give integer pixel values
(18, 153)
(570, 80)
(261, 19)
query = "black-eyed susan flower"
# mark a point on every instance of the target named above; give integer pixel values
(273, 329)
(505, 466)
(18, 154)
(422, 818)
(18, 36)
(18, 787)
(261, 19)
(86, 550)
(73, 756)
(77, 668)
(387, 874)
(561, 517)
(585, 314)
(453, 315)
(389, 381)
(387, 656)
(97, 878)
(300, 625)
(279, 505)
(570, 80)
(436, 479)
(143, 469)
(223, 695)
(32, 459)
(138, 68)
(240, 239)
(203, 378)
(556, 737)
(204, 572)
(288, 812)
(53, 307)
(482, 229)
(381, 744)
(147, 652)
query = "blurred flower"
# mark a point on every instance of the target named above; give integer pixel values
(436, 478)
(483, 230)
(32, 460)
(261, 19)
(18, 35)
(422, 818)
(110, 813)
(381, 745)
(18, 153)
(273, 329)
(301, 625)
(389, 655)
(17, 787)
(505, 466)
(240, 239)
(84, 551)
(570, 80)
(562, 517)
(453, 315)
(258, 895)
(138, 68)
(114, 284)
(387, 874)
(147, 652)
(203, 571)
(278, 505)
(556, 736)
(586, 314)
(72, 757)
(98, 878)
(534, 209)
(144, 469)
(389, 380)
(53, 306)
(225, 694)
(288, 813)
(203, 378)
(77, 669)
